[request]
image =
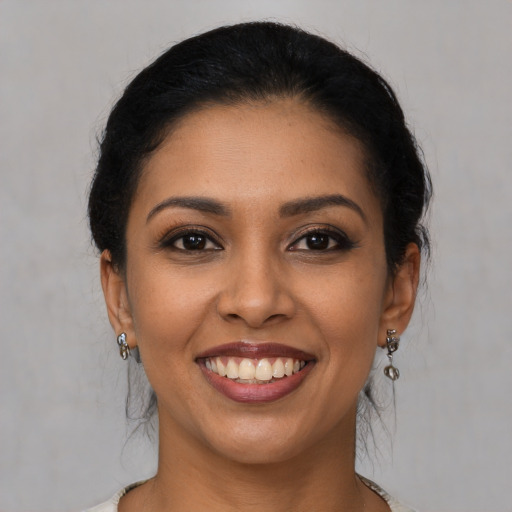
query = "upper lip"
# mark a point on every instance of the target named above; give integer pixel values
(259, 350)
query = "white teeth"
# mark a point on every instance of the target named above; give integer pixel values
(221, 369)
(246, 370)
(263, 370)
(278, 369)
(288, 367)
(252, 370)
(232, 370)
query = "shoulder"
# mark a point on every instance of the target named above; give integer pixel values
(394, 504)
(111, 504)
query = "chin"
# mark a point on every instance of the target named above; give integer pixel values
(259, 452)
(262, 442)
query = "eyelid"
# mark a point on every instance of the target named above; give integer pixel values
(343, 241)
(168, 240)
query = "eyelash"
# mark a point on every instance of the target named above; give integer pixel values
(341, 241)
(208, 238)
(336, 241)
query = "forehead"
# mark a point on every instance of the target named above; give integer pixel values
(256, 153)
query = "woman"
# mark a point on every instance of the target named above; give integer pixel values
(257, 205)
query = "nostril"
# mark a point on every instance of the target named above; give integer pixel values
(275, 317)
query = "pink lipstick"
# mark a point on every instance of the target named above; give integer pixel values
(255, 372)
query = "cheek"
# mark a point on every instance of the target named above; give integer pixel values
(346, 307)
(167, 307)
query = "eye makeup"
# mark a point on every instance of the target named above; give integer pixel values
(322, 239)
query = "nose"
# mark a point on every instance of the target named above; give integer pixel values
(255, 292)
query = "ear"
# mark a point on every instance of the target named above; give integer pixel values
(401, 294)
(116, 298)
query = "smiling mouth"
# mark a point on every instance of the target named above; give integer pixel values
(254, 371)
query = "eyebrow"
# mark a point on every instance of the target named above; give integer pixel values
(202, 204)
(289, 209)
(311, 204)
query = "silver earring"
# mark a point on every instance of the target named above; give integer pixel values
(392, 343)
(124, 349)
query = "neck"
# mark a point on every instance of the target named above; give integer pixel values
(191, 477)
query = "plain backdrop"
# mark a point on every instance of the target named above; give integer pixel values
(63, 436)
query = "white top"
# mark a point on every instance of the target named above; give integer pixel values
(394, 505)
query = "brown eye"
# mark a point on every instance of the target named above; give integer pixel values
(191, 241)
(317, 241)
(323, 241)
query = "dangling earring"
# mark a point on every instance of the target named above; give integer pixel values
(392, 343)
(124, 349)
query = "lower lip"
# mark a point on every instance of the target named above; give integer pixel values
(256, 393)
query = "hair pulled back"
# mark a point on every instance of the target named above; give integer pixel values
(260, 61)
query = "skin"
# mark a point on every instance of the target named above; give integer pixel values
(258, 280)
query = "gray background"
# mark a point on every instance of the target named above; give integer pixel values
(62, 385)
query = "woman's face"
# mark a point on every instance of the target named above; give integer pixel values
(254, 238)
